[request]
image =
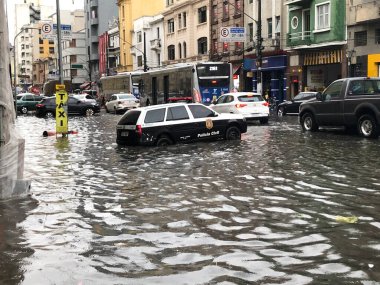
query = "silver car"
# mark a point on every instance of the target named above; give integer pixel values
(122, 102)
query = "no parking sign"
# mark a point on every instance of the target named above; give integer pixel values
(232, 34)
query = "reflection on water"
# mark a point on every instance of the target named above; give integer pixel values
(259, 211)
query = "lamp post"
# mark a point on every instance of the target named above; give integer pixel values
(259, 42)
(59, 35)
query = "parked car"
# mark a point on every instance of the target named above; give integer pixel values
(177, 122)
(27, 102)
(292, 107)
(47, 107)
(122, 102)
(251, 105)
(85, 97)
(349, 102)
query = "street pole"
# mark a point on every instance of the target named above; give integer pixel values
(145, 65)
(59, 34)
(259, 59)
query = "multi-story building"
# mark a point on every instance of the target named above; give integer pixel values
(27, 13)
(129, 11)
(113, 54)
(98, 14)
(273, 57)
(187, 30)
(148, 40)
(316, 43)
(363, 38)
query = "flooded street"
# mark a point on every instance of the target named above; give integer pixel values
(279, 207)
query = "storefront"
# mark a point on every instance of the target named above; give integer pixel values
(273, 75)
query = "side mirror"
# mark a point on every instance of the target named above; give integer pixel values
(319, 96)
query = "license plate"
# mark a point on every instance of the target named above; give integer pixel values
(124, 133)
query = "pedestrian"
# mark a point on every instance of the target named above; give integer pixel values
(147, 102)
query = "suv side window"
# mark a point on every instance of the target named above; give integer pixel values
(155, 116)
(333, 91)
(29, 98)
(177, 113)
(200, 111)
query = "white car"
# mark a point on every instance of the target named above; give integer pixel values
(251, 105)
(84, 97)
(122, 102)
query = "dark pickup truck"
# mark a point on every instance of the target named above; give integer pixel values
(349, 102)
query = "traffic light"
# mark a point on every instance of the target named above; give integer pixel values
(35, 14)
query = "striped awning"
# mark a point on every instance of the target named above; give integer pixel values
(323, 57)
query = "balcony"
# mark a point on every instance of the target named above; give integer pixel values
(155, 44)
(298, 39)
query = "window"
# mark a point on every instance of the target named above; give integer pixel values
(169, 2)
(225, 47)
(202, 15)
(377, 36)
(73, 58)
(51, 50)
(171, 26)
(225, 10)
(155, 116)
(238, 46)
(360, 38)
(180, 50)
(215, 46)
(139, 60)
(139, 37)
(171, 52)
(73, 43)
(270, 30)
(184, 19)
(184, 50)
(177, 113)
(215, 14)
(202, 45)
(200, 111)
(237, 7)
(250, 32)
(74, 72)
(180, 21)
(323, 16)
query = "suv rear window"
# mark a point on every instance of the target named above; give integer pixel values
(155, 116)
(130, 118)
(250, 98)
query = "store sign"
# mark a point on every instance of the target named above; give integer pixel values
(323, 57)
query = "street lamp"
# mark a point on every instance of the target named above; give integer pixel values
(259, 42)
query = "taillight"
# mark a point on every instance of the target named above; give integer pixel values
(139, 130)
(240, 105)
(39, 105)
(266, 104)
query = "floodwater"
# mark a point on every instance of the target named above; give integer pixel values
(279, 207)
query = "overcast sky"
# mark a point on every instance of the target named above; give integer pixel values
(63, 5)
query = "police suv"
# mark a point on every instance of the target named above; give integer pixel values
(177, 122)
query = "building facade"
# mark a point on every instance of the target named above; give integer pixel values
(129, 11)
(98, 14)
(316, 42)
(187, 30)
(363, 38)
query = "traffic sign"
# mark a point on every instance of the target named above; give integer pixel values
(232, 34)
(47, 31)
(77, 66)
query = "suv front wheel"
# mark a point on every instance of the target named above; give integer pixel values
(368, 127)
(233, 133)
(308, 122)
(164, 140)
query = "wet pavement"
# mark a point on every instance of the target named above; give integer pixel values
(279, 207)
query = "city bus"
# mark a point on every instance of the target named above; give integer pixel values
(125, 82)
(192, 82)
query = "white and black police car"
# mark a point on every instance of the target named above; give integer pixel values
(167, 124)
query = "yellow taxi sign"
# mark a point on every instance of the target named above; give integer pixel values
(61, 119)
(60, 87)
